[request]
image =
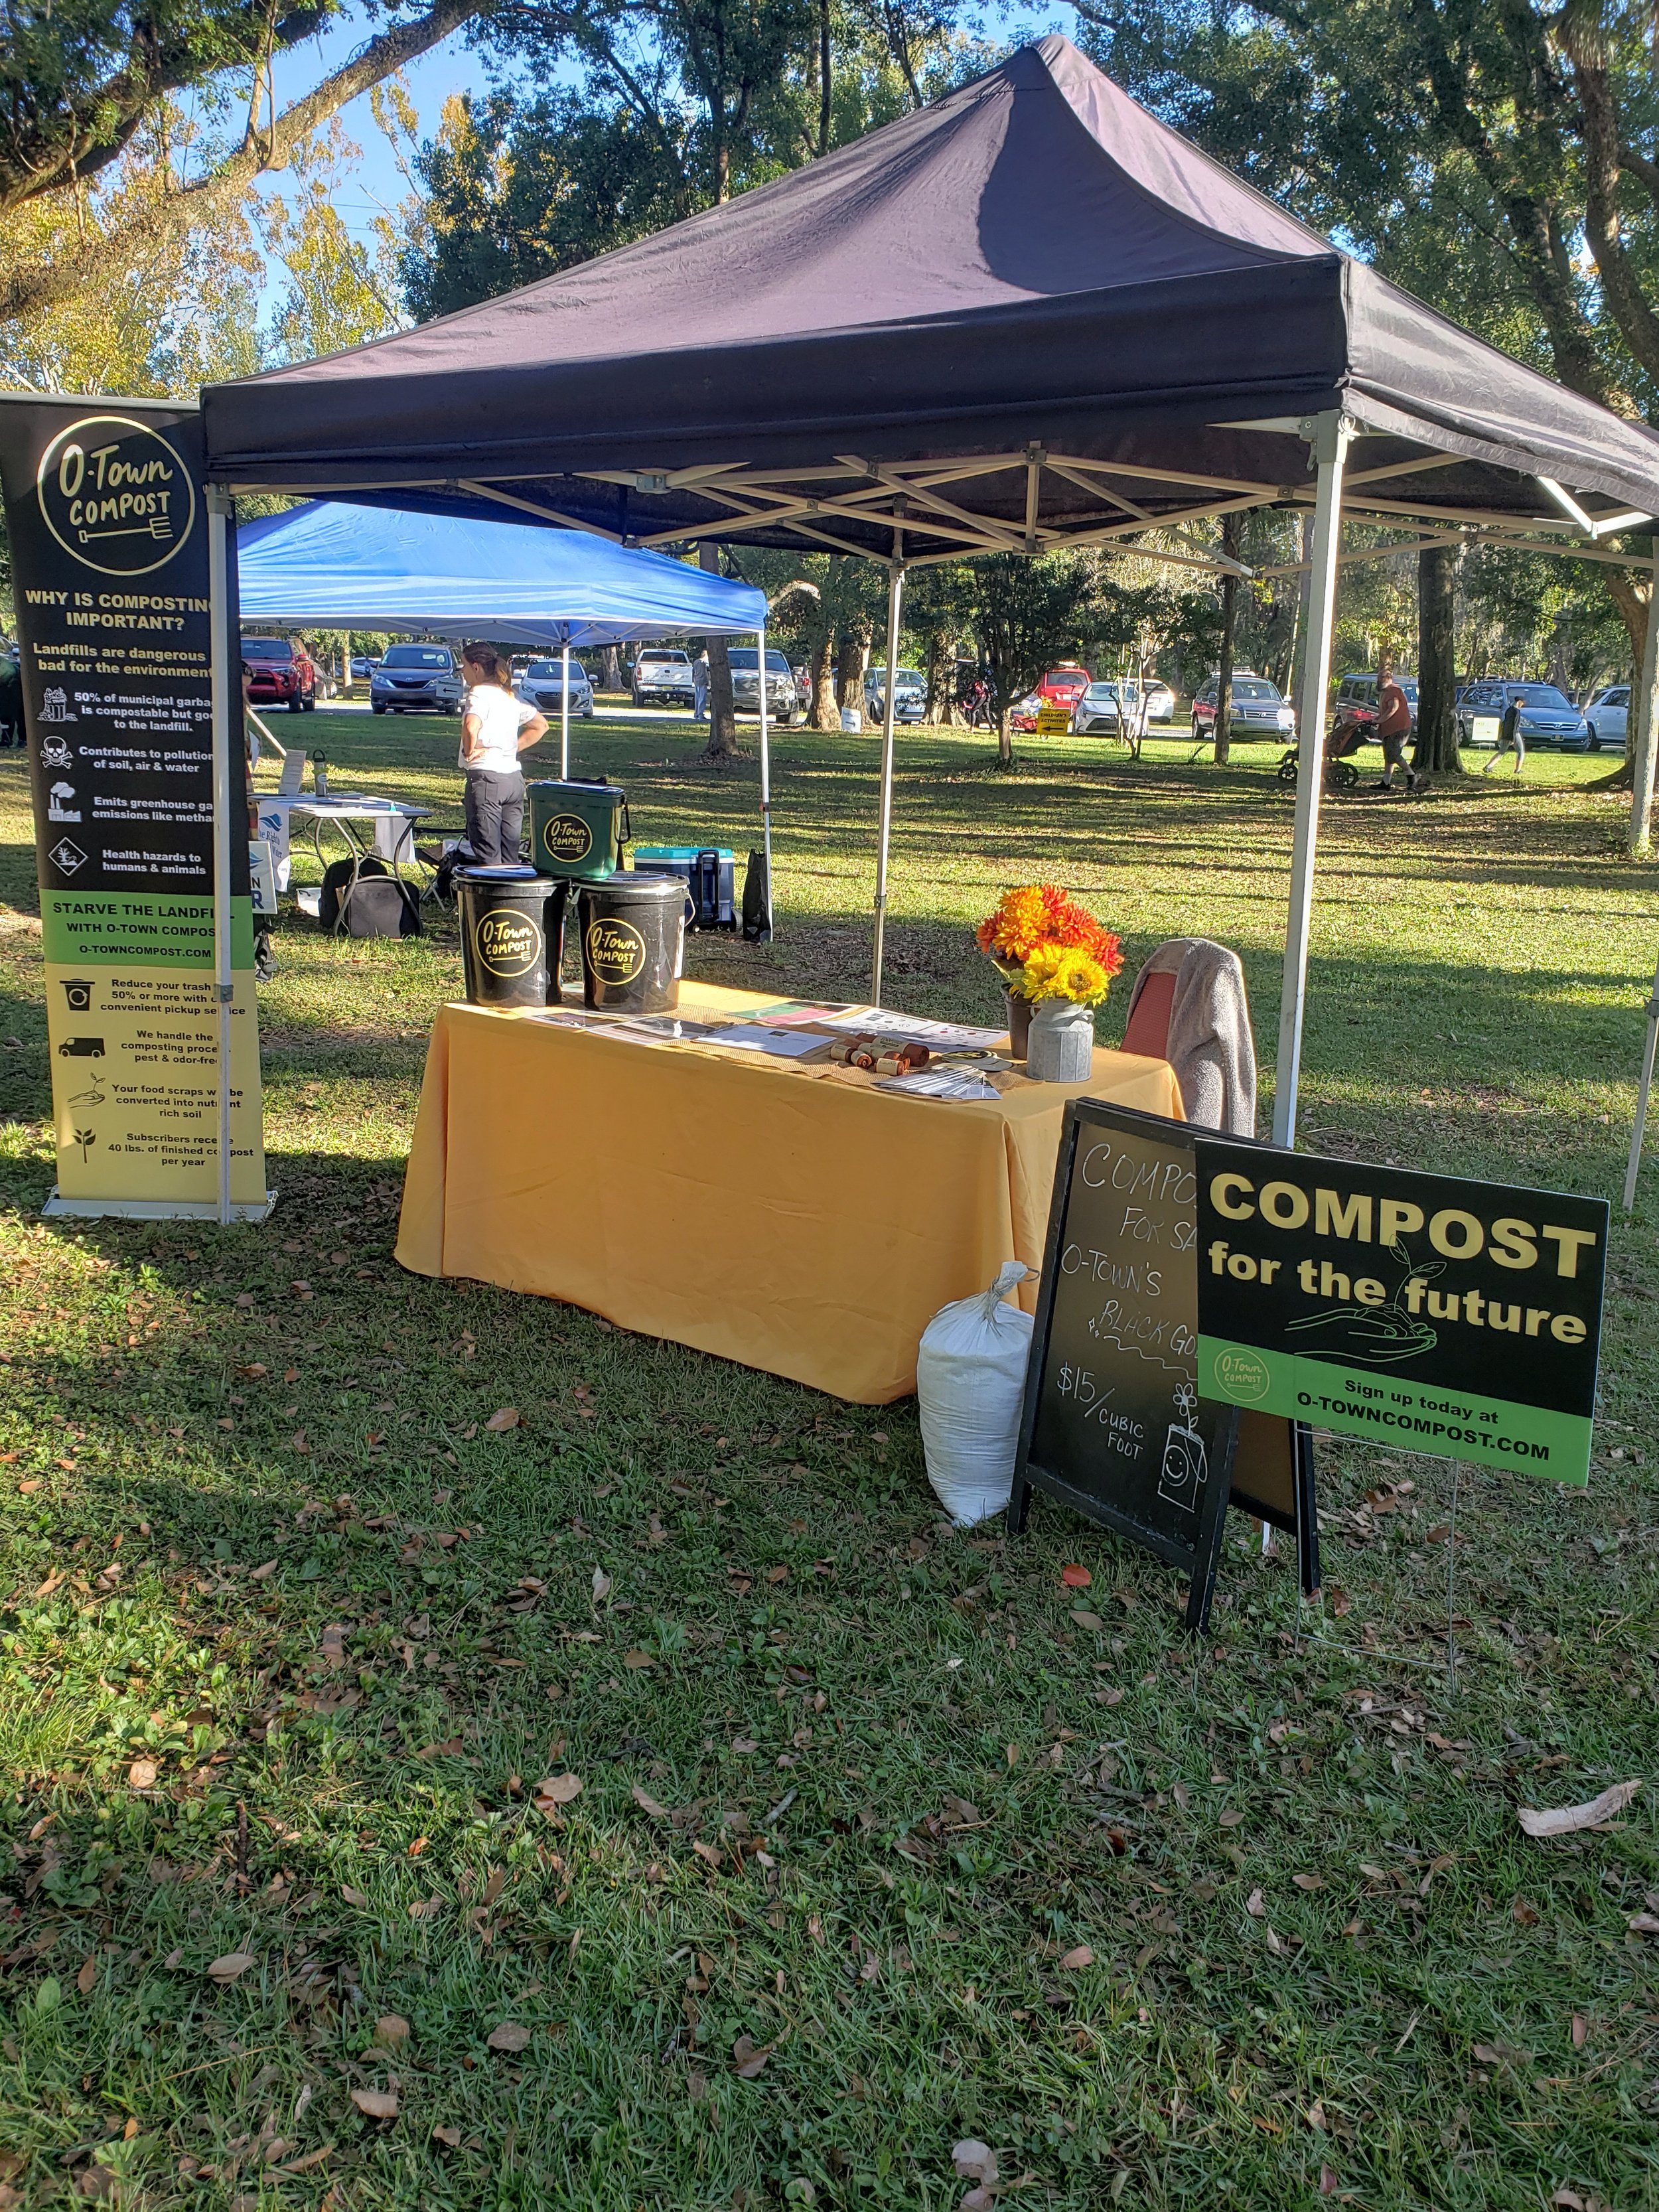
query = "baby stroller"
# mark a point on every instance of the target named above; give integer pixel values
(1344, 740)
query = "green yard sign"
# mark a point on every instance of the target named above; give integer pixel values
(1456, 1318)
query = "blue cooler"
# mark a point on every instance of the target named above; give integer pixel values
(710, 874)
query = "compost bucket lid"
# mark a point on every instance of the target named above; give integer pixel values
(498, 875)
(666, 890)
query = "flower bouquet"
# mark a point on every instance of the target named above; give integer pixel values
(1052, 955)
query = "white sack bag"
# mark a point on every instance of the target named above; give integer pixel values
(970, 1381)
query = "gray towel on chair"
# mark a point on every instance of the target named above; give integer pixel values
(1211, 1048)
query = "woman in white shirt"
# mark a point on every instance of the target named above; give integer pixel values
(496, 728)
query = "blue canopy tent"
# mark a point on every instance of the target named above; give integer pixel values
(327, 565)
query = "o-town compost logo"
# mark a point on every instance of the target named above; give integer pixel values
(616, 950)
(508, 943)
(566, 837)
(115, 495)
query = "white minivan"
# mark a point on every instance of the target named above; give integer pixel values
(1606, 718)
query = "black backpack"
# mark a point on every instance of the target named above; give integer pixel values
(363, 898)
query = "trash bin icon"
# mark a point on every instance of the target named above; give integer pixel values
(79, 994)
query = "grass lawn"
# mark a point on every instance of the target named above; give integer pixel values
(291, 1635)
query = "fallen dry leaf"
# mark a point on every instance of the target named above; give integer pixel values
(601, 1584)
(745, 1743)
(352, 1896)
(227, 1968)
(377, 2104)
(508, 2036)
(1076, 1577)
(557, 1789)
(1256, 1905)
(1309, 1881)
(1580, 2031)
(1327, 2181)
(86, 1980)
(1234, 1820)
(647, 1803)
(1077, 1958)
(391, 2030)
(1085, 1618)
(1568, 1820)
(748, 2058)
(1643, 1924)
(142, 1773)
(508, 1417)
(974, 2161)
(638, 1660)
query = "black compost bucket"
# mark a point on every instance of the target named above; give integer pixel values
(633, 942)
(511, 935)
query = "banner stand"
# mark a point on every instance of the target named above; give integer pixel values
(125, 593)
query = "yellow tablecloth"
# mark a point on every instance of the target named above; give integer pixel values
(781, 1216)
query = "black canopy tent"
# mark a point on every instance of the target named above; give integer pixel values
(1027, 318)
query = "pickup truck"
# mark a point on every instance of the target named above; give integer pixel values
(662, 677)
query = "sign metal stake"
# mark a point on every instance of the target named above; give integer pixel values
(1643, 1089)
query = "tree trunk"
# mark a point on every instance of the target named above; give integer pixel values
(722, 744)
(613, 678)
(1435, 752)
(826, 95)
(940, 707)
(822, 713)
(1006, 738)
(852, 656)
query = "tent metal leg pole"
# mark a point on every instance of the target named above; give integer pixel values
(766, 767)
(1647, 730)
(894, 601)
(221, 664)
(564, 712)
(1330, 435)
(1643, 1089)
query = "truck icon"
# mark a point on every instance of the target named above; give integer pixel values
(81, 1048)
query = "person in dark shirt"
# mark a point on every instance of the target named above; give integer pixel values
(1509, 738)
(1393, 727)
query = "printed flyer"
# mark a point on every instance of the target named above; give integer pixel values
(108, 534)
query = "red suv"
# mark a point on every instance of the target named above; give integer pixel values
(280, 672)
(1064, 686)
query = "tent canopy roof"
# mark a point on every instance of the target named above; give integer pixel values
(1030, 303)
(325, 566)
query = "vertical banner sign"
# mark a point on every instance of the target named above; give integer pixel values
(106, 519)
(1459, 1319)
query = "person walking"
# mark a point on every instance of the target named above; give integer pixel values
(1393, 727)
(496, 728)
(1509, 736)
(700, 687)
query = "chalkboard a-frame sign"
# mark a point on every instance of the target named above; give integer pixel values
(1113, 1425)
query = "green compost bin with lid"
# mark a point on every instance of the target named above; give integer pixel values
(577, 830)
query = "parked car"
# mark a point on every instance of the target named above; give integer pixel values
(1607, 720)
(363, 665)
(780, 698)
(542, 686)
(1355, 704)
(415, 679)
(1259, 708)
(1065, 685)
(1548, 717)
(1108, 709)
(662, 677)
(1160, 700)
(280, 673)
(909, 693)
